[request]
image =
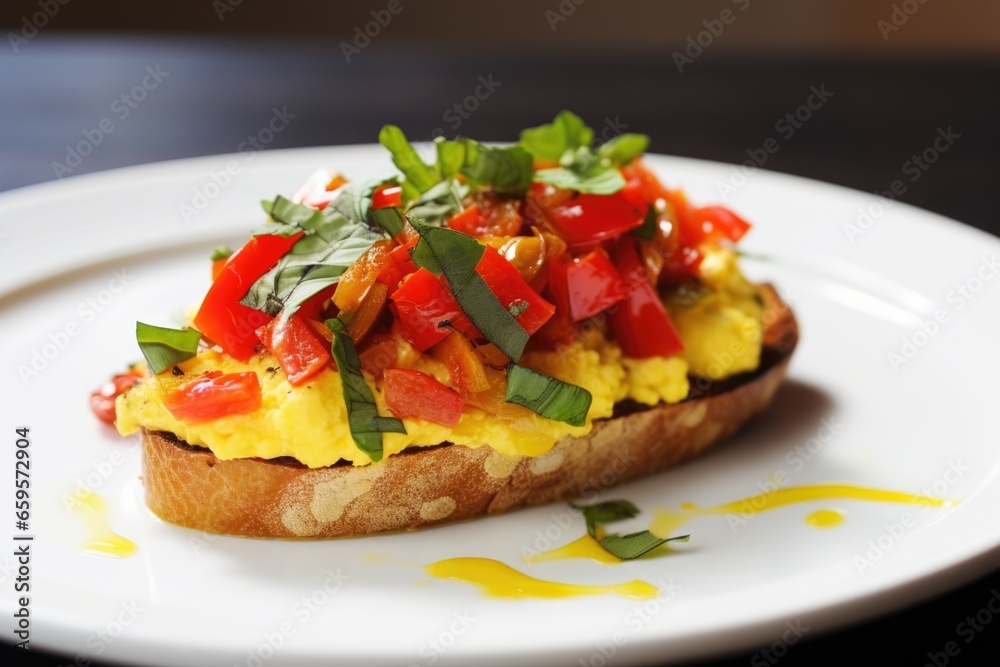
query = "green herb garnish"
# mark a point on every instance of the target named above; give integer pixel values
(418, 175)
(435, 206)
(456, 255)
(568, 140)
(334, 239)
(624, 148)
(566, 132)
(606, 512)
(163, 347)
(650, 225)
(549, 397)
(221, 252)
(366, 424)
(507, 170)
(638, 544)
(627, 546)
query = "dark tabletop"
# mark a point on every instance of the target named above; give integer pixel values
(208, 96)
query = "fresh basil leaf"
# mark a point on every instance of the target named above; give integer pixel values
(290, 212)
(598, 180)
(389, 219)
(286, 216)
(624, 148)
(549, 142)
(634, 545)
(450, 157)
(163, 347)
(606, 512)
(363, 419)
(650, 225)
(221, 252)
(423, 257)
(438, 204)
(547, 396)
(457, 255)
(406, 159)
(334, 240)
(508, 170)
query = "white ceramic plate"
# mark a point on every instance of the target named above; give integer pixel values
(186, 598)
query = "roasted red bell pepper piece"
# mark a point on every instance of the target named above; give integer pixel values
(592, 285)
(410, 393)
(711, 224)
(423, 307)
(300, 353)
(399, 266)
(640, 323)
(387, 195)
(469, 221)
(513, 291)
(222, 318)
(586, 220)
(212, 397)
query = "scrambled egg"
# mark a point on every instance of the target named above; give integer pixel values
(720, 323)
(310, 423)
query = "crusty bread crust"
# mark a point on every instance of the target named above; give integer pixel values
(189, 486)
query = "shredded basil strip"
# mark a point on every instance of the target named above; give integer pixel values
(366, 424)
(549, 397)
(163, 347)
(406, 159)
(624, 148)
(389, 219)
(457, 254)
(605, 512)
(548, 142)
(627, 546)
(221, 252)
(647, 232)
(450, 157)
(634, 545)
(508, 170)
(334, 239)
(435, 206)
(596, 181)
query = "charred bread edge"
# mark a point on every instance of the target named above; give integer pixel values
(189, 486)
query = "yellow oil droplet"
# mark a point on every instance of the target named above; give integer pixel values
(101, 539)
(825, 518)
(584, 547)
(500, 580)
(668, 521)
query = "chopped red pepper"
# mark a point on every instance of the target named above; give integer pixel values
(222, 318)
(711, 224)
(586, 220)
(294, 344)
(102, 401)
(399, 266)
(387, 195)
(593, 285)
(208, 398)
(423, 308)
(470, 221)
(414, 394)
(640, 323)
(528, 307)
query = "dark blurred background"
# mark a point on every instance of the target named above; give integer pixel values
(710, 79)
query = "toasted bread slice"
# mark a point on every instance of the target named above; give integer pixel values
(189, 486)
